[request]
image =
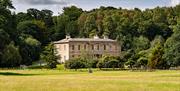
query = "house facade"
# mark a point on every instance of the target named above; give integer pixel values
(69, 48)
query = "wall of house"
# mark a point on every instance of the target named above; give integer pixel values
(78, 49)
(62, 51)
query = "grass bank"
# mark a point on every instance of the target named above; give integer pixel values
(56, 80)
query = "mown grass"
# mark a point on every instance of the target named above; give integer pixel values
(56, 80)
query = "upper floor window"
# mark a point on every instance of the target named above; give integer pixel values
(92, 47)
(73, 56)
(72, 47)
(116, 48)
(104, 47)
(79, 47)
(85, 47)
(97, 47)
(110, 47)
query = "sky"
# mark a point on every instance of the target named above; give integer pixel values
(57, 5)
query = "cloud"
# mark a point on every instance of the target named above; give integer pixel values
(175, 2)
(43, 2)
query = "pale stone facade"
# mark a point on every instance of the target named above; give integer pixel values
(69, 48)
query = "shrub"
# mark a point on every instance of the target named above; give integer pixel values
(48, 55)
(110, 62)
(60, 67)
(75, 64)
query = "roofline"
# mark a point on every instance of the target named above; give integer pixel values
(90, 40)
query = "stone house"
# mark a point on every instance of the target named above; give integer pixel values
(69, 48)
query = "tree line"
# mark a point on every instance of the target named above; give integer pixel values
(148, 38)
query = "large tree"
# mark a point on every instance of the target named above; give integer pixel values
(172, 48)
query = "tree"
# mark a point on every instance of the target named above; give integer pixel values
(29, 48)
(142, 60)
(59, 28)
(20, 17)
(172, 49)
(4, 38)
(72, 12)
(109, 26)
(81, 22)
(90, 24)
(141, 43)
(71, 29)
(134, 29)
(33, 28)
(6, 4)
(35, 13)
(155, 55)
(11, 56)
(47, 17)
(49, 56)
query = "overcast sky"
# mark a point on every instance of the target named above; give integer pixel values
(57, 5)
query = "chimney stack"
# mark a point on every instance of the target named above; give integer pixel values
(68, 36)
(96, 37)
(106, 37)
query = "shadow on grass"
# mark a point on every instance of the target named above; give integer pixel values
(16, 74)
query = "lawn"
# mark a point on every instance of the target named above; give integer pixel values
(56, 80)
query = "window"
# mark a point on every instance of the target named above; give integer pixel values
(110, 47)
(72, 47)
(85, 47)
(97, 47)
(79, 47)
(116, 48)
(92, 47)
(72, 56)
(104, 47)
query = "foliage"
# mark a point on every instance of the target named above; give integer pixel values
(48, 55)
(172, 49)
(11, 56)
(155, 56)
(130, 63)
(110, 62)
(75, 64)
(147, 38)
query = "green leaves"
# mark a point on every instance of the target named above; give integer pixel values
(172, 49)
(11, 56)
(49, 56)
(6, 4)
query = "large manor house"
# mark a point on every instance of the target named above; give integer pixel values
(69, 48)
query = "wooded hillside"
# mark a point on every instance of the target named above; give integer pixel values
(149, 37)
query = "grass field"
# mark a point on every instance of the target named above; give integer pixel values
(55, 80)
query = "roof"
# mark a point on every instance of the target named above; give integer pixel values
(84, 40)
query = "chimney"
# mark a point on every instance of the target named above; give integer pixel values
(106, 37)
(96, 37)
(68, 36)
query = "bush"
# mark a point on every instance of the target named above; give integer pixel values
(36, 67)
(60, 67)
(75, 64)
(48, 55)
(94, 63)
(110, 62)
